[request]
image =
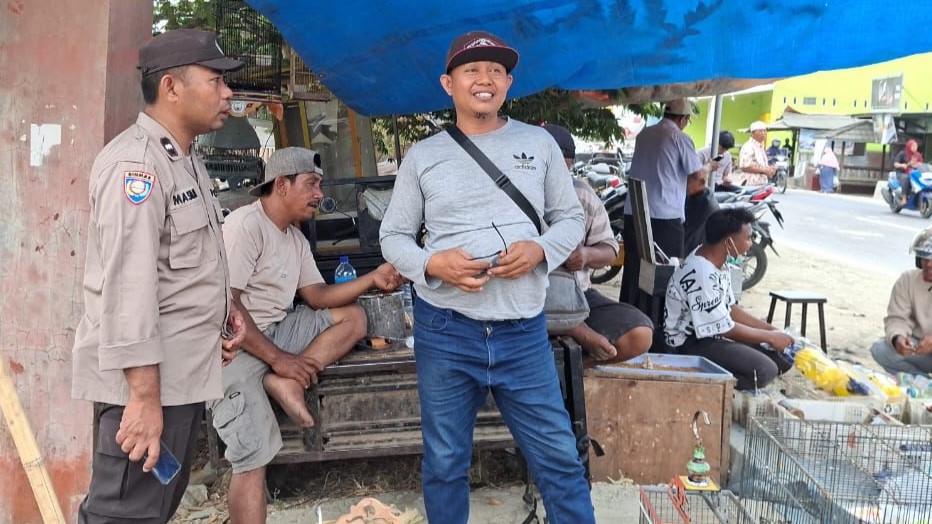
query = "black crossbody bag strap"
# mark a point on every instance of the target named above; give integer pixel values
(501, 180)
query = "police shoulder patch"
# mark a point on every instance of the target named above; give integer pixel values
(137, 186)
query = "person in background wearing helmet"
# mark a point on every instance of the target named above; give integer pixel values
(774, 148)
(907, 343)
(722, 174)
(906, 160)
(664, 156)
(613, 332)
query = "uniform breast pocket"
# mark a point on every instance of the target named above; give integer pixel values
(189, 238)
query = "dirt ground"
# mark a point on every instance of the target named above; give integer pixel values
(857, 301)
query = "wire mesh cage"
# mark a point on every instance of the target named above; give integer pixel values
(800, 472)
(669, 505)
(302, 82)
(246, 35)
(231, 156)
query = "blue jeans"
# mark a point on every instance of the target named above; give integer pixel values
(458, 361)
(827, 179)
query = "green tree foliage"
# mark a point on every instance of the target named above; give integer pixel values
(177, 14)
(554, 106)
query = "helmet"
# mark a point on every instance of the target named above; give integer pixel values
(726, 139)
(922, 245)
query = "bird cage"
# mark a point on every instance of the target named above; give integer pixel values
(819, 472)
(673, 504)
(246, 35)
(231, 155)
(302, 82)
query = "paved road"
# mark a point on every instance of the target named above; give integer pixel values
(857, 230)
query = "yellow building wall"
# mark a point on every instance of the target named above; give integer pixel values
(842, 92)
(848, 91)
(738, 111)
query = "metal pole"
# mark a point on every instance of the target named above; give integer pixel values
(716, 125)
(397, 141)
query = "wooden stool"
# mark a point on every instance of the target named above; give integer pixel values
(800, 297)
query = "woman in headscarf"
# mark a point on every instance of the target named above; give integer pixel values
(828, 168)
(907, 160)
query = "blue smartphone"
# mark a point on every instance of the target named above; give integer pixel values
(167, 467)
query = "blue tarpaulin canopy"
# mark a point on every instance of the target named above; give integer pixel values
(382, 57)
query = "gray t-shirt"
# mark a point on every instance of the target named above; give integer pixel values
(724, 165)
(440, 185)
(267, 264)
(663, 157)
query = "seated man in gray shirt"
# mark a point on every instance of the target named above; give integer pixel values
(614, 331)
(721, 171)
(285, 347)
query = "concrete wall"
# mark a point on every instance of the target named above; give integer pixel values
(67, 85)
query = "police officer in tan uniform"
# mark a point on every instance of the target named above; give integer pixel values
(285, 347)
(156, 285)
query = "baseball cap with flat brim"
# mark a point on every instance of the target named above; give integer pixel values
(564, 139)
(289, 161)
(183, 47)
(480, 46)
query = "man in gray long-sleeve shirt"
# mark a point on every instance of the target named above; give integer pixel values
(480, 282)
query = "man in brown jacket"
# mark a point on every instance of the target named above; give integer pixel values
(156, 287)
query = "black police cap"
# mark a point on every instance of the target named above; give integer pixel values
(184, 47)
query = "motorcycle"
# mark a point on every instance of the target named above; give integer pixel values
(920, 197)
(754, 262)
(751, 194)
(599, 176)
(779, 178)
(614, 201)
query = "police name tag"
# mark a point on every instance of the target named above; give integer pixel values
(137, 185)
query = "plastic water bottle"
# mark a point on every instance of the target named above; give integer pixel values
(407, 300)
(344, 272)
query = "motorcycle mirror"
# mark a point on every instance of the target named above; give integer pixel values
(327, 205)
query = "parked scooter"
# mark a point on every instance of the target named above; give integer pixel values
(920, 197)
(754, 262)
(754, 199)
(614, 201)
(779, 178)
(599, 176)
(745, 194)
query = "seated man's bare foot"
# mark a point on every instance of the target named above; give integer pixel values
(290, 396)
(595, 344)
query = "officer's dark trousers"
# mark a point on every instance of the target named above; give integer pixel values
(120, 491)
